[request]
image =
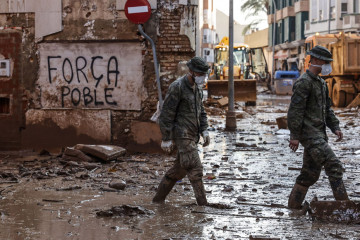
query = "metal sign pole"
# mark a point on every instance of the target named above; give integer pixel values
(273, 45)
(155, 64)
(231, 116)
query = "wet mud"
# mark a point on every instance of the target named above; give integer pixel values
(248, 176)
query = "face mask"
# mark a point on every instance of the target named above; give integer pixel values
(200, 80)
(325, 69)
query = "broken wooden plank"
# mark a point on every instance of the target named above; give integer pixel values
(242, 215)
(223, 101)
(260, 237)
(282, 122)
(355, 102)
(52, 200)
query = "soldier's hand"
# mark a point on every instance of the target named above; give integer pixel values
(206, 137)
(294, 144)
(167, 146)
(339, 134)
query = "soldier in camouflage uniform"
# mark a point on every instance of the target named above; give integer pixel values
(182, 121)
(308, 116)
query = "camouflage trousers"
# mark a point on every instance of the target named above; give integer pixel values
(317, 153)
(187, 162)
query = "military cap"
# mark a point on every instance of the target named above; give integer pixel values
(320, 52)
(198, 64)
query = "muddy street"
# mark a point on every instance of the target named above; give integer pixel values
(248, 176)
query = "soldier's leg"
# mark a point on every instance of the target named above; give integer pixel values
(190, 161)
(334, 170)
(311, 169)
(309, 174)
(168, 181)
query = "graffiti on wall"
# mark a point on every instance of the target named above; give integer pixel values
(91, 75)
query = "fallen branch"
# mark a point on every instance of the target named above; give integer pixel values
(52, 200)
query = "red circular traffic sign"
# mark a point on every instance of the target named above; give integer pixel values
(137, 11)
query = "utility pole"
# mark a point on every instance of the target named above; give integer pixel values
(329, 15)
(230, 115)
(273, 45)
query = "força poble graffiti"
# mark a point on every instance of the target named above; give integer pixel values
(91, 75)
(76, 70)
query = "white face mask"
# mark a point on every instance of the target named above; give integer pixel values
(326, 69)
(200, 80)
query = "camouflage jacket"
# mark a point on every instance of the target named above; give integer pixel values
(183, 114)
(310, 109)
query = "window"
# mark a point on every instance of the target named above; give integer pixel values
(356, 6)
(4, 105)
(314, 12)
(332, 11)
(344, 7)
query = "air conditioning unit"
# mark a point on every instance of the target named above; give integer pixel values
(5, 68)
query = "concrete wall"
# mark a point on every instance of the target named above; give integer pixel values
(222, 27)
(96, 70)
(257, 39)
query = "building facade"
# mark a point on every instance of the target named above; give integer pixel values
(79, 71)
(214, 25)
(333, 16)
(288, 17)
(208, 36)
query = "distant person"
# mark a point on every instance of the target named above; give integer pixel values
(308, 116)
(182, 121)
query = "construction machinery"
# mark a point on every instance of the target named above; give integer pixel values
(343, 82)
(249, 66)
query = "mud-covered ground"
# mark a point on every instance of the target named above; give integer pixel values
(248, 176)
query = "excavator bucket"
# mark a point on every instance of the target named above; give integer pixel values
(244, 90)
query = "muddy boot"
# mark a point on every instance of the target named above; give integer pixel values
(297, 196)
(338, 189)
(199, 191)
(164, 188)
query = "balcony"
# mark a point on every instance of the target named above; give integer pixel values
(288, 12)
(351, 22)
(301, 6)
(279, 15)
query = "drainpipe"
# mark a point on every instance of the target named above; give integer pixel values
(156, 66)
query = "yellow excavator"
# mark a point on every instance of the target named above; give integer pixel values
(249, 66)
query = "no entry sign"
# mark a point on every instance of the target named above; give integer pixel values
(137, 11)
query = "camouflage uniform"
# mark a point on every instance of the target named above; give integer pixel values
(309, 114)
(183, 119)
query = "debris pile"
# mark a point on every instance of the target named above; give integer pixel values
(335, 211)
